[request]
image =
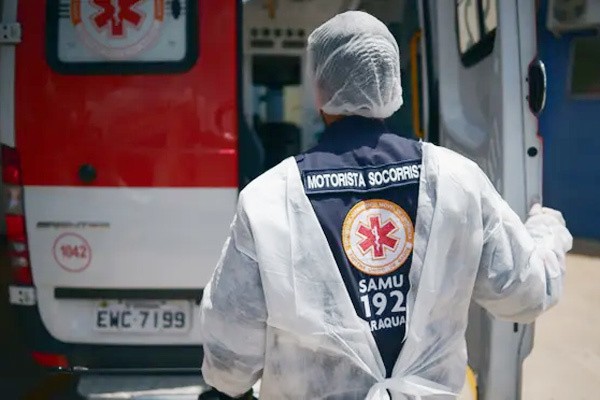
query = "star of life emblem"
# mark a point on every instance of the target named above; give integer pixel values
(377, 236)
(117, 29)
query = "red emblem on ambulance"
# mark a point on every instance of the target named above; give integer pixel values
(118, 29)
(114, 15)
(377, 236)
(72, 252)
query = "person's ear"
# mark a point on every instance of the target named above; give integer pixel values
(329, 119)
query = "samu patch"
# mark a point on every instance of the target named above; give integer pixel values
(377, 236)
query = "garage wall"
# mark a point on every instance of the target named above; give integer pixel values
(571, 131)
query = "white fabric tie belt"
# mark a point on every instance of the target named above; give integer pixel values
(408, 386)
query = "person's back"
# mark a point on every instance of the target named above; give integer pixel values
(350, 268)
(362, 182)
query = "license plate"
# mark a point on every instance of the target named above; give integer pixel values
(142, 317)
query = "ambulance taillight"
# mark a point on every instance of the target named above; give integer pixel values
(16, 233)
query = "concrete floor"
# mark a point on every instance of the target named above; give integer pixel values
(565, 362)
(564, 365)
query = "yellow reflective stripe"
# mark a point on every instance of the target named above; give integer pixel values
(472, 382)
(414, 78)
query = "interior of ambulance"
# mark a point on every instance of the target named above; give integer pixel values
(279, 115)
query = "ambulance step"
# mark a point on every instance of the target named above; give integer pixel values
(141, 387)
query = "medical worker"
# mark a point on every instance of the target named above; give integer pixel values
(350, 268)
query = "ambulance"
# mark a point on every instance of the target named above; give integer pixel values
(128, 128)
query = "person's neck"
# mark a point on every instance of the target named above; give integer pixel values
(330, 119)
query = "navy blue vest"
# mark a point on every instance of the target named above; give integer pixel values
(363, 183)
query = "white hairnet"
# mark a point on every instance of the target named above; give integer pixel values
(355, 64)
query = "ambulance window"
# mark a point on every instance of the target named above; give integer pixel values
(490, 15)
(585, 74)
(468, 24)
(476, 23)
(122, 37)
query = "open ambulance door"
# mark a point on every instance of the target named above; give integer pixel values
(483, 89)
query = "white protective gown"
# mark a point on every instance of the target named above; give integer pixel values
(277, 307)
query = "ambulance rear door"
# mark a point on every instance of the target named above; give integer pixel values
(126, 131)
(484, 89)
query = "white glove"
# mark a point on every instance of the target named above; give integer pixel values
(548, 228)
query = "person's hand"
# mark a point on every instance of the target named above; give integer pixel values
(537, 209)
(548, 227)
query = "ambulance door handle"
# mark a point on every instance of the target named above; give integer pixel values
(536, 78)
(87, 173)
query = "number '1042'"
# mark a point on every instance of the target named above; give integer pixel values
(69, 251)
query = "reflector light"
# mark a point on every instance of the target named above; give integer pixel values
(21, 270)
(19, 261)
(11, 166)
(15, 220)
(22, 276)
(13, 199)
(11, 174)
(15, 228)
(17, 247)
(50, 360)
